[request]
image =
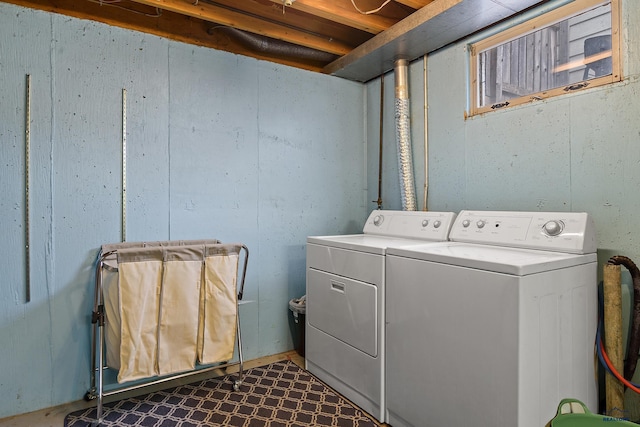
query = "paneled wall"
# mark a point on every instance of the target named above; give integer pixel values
(577, 152)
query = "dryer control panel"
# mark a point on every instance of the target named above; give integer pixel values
(571, 232)
(410, 224)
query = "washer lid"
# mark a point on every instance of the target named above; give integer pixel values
(369, 243)
(515, 261)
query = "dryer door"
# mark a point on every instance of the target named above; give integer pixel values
(343, 308)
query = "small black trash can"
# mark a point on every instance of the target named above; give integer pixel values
(298, 308)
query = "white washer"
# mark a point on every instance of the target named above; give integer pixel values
(345, 301)
(495, 327)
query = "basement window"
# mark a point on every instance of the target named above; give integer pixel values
(569, 49)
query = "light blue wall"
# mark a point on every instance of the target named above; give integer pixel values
(222, 146)
(577, 152)
(218, 146)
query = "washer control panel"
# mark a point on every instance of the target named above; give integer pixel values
(571, 232)
(410, 224)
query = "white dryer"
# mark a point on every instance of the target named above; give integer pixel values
(494, 328)
(345, 301)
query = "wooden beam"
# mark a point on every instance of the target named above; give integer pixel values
(612, 297)
(416, 4)
(169, 25)
(224, 16)
(343, 13)
(276, 12)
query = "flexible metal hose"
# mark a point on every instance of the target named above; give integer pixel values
(403, 137)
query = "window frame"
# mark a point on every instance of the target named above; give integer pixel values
(537, 23)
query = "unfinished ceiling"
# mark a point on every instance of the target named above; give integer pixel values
(355, 39)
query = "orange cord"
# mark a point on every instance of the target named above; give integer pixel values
(615, 372)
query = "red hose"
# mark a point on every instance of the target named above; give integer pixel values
(615, 372)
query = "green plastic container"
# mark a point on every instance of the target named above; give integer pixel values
(574, 413)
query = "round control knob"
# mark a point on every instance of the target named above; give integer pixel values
(425, 222)
(466, 223)
(378, 219)
(553, 228)
(480, 224)
(437, 224)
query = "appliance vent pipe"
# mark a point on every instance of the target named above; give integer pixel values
(271, 46)
(425, 196)
(403, 136)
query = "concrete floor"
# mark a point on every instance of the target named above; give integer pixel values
(54, 417)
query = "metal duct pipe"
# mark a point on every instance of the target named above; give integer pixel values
(403, 136)
(425, 196)
(379, 201)
(271, 46)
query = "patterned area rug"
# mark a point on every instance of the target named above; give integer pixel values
(277, 395)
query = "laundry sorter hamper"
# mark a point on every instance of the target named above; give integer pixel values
(163, 311)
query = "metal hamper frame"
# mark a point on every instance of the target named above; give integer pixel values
(98, 319)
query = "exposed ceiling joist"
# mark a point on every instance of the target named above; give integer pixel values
(223, 16)
(342, 13)
(330, 36)
(416, 4)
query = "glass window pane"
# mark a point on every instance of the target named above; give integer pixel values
(564, 53)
